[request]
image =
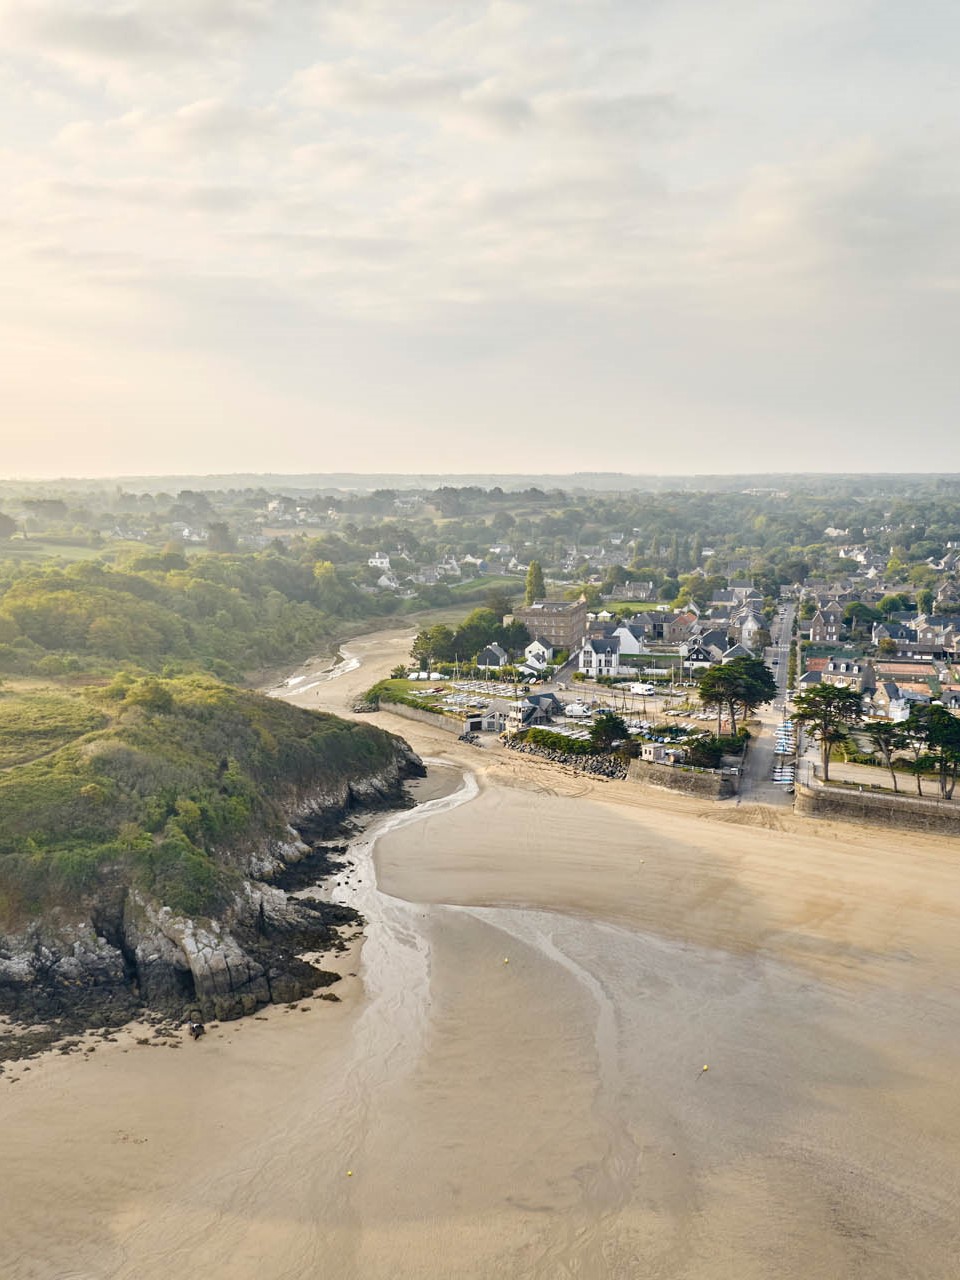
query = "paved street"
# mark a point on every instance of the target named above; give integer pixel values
(756, 785)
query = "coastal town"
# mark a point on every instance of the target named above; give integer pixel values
(571, 667)
(512, 791)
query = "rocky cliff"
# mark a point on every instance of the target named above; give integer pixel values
(121, 951)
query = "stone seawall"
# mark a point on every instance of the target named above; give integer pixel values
(446, 723)
(712, 786)
(910, 812)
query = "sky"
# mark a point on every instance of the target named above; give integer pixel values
(645, 236)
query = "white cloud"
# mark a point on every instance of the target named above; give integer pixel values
(660, 188)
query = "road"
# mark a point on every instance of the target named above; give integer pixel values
(756, 784)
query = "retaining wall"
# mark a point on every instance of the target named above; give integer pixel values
(713, 786)
(446, 723)
(818, 801)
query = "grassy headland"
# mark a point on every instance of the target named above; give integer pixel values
(158, 782)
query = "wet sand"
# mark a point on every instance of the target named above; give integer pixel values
(459, 1116)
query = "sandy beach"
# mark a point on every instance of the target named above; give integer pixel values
(593, 1030)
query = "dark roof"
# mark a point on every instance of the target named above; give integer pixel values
(607, 644)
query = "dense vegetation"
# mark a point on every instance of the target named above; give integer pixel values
(155, 781)
(222, 613)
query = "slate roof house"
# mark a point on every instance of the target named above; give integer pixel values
(492, 656)
(849, 673)
(600, 657)
(825, 624)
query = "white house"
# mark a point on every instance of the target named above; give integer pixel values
(448, 568)
(749, 626)
(539, 651)
(630, 638)
(600, 657)
(379, 560)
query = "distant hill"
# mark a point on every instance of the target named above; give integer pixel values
(583, 481)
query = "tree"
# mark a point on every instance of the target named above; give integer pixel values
(8, 526)
(859, 616)
(894, 603)
(925, 601)
(435, 644)
(535, 586)
(616, 576)
(886, 738)
(219, 537)
(715, 689)
(743, 684)
(607, 730)
(478, 629)
(827, 711)
(933, 734)
(499, 601)
(945, 739)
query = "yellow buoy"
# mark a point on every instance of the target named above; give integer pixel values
(705, 1067)
(349, 1173)
(506, 959)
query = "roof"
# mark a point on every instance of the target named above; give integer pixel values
(816, 664)
(606, 644)
(736, 651)
(553, 606)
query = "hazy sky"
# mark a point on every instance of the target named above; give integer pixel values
(632, 235)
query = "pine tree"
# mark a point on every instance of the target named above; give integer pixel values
(536, 588)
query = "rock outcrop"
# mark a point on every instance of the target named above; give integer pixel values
(124, 953)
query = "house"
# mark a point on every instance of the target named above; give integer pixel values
(642, 630)
(485, 721)
(735, 651)
(748, 627)
(538, 708)
(657, 753)
(679, 628)
(884, 696)
(388, 581)
(849, 673)
(448, 568)
(722, 597)
(492, 656)
(539, 651)
(379, 560)
(715, 641)
(600, 657)
(632, 638)
(697, 654)
(825, 624)
(640, 591)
